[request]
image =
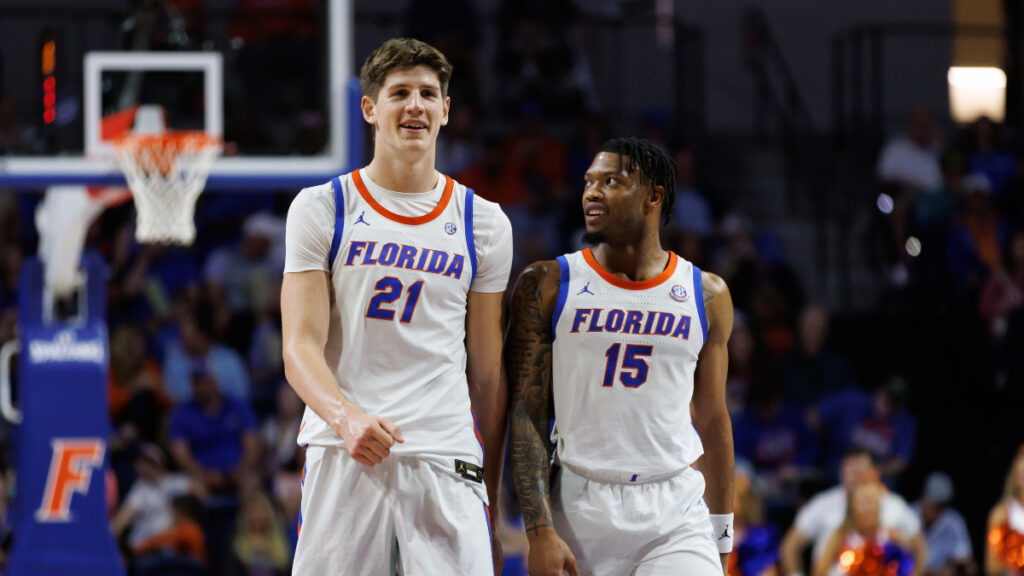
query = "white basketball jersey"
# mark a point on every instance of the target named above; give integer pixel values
(624, 359)
(398, 325)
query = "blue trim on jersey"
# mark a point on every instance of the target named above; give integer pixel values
(563, 292)
(339, 219)
(487, 519)
(470, 243)
(698, 289)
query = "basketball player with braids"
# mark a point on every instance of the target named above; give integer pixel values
(616, 344)
(392, 314)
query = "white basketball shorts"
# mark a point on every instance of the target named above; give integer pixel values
(616, 528)
(407, 514)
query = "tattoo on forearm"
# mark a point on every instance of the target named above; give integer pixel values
(535, 529)
(528, 361)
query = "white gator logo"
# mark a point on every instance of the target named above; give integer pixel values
(65, 347)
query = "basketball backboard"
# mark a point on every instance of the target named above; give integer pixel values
(273, 78)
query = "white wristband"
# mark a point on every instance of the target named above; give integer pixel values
(721, 532)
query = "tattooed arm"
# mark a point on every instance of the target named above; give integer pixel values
(710, 414)
(528, 348)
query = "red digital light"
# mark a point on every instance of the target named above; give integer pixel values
(49, 99)
(49, 84)
(49, 115)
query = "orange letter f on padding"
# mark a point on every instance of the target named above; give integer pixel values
(70, 471)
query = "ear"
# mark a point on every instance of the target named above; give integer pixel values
(447, 106)
(369, 108)
(657, 197)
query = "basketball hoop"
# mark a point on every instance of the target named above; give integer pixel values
(166, 173)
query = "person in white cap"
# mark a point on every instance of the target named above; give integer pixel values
(949, 544)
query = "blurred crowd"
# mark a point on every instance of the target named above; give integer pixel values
(828, 405)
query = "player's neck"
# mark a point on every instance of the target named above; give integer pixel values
(392, 172)
(638, 261)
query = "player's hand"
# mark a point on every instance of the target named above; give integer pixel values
(550, 555)
(369, 439)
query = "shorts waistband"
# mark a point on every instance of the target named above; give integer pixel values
(623, 477)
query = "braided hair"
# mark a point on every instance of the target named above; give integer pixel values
(656, 166)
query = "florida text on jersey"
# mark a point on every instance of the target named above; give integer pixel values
(625, 353)
(397, 331)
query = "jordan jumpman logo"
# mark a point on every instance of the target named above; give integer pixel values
(360, 219)
(586, 290)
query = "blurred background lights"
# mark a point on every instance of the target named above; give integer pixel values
(975, 92)
(913, 246)
(884, 203)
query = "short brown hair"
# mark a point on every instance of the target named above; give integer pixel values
(402, 53)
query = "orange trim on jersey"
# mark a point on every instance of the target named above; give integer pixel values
(610, 278)
(449, 184)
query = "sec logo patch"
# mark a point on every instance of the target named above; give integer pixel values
(678, 293)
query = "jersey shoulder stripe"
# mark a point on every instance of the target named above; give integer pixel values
(698, 290)
(339, 219)
(563, 293)
(468, 229)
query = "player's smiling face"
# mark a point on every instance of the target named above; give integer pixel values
(613, 199)
(409, 110)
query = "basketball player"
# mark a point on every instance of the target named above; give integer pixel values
(623, 337)
(391, 308)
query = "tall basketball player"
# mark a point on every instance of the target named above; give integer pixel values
(392, 305)
(624, 337)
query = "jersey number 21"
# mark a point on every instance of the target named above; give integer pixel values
(389, 289)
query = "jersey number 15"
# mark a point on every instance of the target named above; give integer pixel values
(634, 367)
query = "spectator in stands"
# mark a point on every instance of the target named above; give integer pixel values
(877, 422)
(458, 146)
(691, 212)
(493, 176)
(864, 533)
(814, 369)
(260, 547)
(215, 440)
(743, 365)
(820, 517)
(281, 429)
(145, 279)
(1003, 291)
(772, 436)
(989, 157)
(196, 347)
(243, 275)
(214, 437)
(264, 355)
(180, 549)
(146, 509)
(755, 552)
(910, 161)
(907, 167)
(540, 57)
(977, 239)
(1004, 555)
(136, 398)
(949, 544)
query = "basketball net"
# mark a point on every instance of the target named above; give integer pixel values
(166, 172)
